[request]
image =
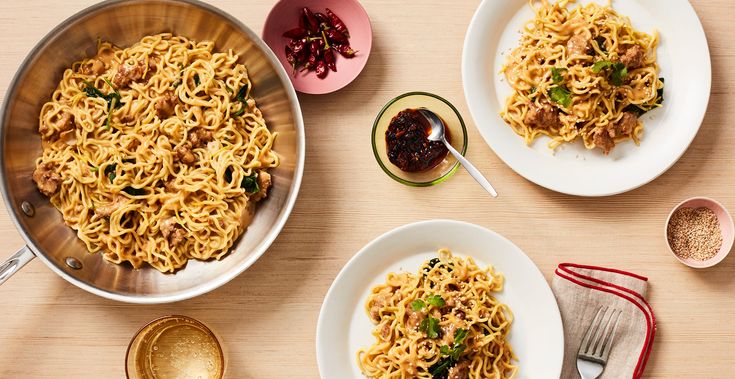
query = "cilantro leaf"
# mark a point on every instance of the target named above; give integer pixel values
(417, 305)
(561, 96)
(601, 65)
(556, 74)
(440, 369)
(240, 96)
(619, 71)
(460, 335)
(110, 171)
(250, 183)
(430, 326)
(435, 300)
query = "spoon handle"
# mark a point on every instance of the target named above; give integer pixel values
(474, 172)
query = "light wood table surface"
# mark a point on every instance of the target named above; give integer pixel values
(267, 316)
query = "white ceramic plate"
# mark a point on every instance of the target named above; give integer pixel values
(684, 62)
(536, 335)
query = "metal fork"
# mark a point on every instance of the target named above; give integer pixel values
(597, 343)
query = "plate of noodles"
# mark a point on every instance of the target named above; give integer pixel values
(590, 97)
(438, 299)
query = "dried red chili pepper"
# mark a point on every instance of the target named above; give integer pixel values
(298, 45)
(296, 33)
(289, 56)
(335, 36)
(311, 43)
(322, 18)
(311, 22)
(321, 69)
(337, 23)
(329, 59)
(314, 48)
(345, 50)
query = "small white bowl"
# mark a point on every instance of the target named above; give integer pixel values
(727, 229)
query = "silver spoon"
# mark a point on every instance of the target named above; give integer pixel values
(438, 134)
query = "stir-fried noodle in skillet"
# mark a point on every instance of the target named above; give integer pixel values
(442, 322)
(581, 73)
(155, 153)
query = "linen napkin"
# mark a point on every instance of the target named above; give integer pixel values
(580, 291)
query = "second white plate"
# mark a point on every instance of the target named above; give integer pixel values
(536, 335)
(684, 60)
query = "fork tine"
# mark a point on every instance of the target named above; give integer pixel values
(590, 330)
(607, 346)
(604, 333)
(599, 332)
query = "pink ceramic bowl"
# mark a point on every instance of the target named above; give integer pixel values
(285, 16)
(727, 228)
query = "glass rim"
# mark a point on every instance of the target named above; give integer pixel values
(407, 182)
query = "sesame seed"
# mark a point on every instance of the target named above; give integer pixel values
(694, 233)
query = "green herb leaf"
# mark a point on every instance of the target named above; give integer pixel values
(460, 335)
(240, 96)
(132, 191)
(110, 171)
(556, 74)
(561, 96)
(435, 300)
(619, 72)
(430, 326)
(238, 112)
(532, 90)
(250, 183)
(196, 80)
(113, 98)
(417, 305)
(601, 65)
(93, 169)
(441, 369)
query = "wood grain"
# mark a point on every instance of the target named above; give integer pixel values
(267, 316)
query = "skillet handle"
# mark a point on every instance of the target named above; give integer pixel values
(15, 263)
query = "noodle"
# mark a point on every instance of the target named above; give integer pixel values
(581, 73)
(443, 321)
(155, 153)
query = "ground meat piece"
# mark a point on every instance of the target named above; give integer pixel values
(93, 67)
(108, 210)
(127, 74)
(577, 45)
(542, 117)
(414, 318)
(170, 186)
(174, 232)
(603, 140)
(165, 105)
(264, 182)
(199, 136)
(459, 371)
(385, 331)
(624, 126)
(379, 301)
(46, 178)
(62, 122)
(632, 58)
(184, 154)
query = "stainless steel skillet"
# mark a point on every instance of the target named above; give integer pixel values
(41, 225)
